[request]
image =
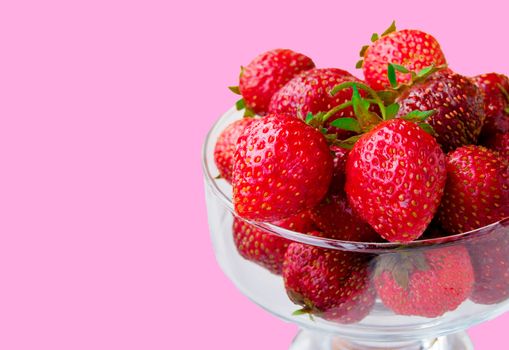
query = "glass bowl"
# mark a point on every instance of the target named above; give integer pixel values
(381, 326)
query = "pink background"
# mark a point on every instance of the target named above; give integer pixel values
(103, 108)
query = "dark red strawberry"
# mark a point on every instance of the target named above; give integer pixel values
(490, 259)
(500, 144)
(458, 106)
(495, 89)
(335, 218)
(339, 158)
(424, 283)
(413, 49)
(332, 284)
(333, 215)
(265, 248)
(309, 92)
(395, 176)
(282, 166)
(477, 189)
(434, 230)
(225, 147)
(266, 74)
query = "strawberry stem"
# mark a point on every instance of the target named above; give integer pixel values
(370, 91)
(335, 110)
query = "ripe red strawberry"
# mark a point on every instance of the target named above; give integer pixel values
(332, 284)
(309, 92)
(458, 106)
(410, 48)
(496, 103)
(477, 189)
(335, 217)
(225, 147)
(265, 248)
(395, 176)
(427, 283)
(490, 259)
(267, 73)
(282, 166)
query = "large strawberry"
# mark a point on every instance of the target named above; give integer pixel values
(477, 189)
(225, 147)
(309, 92)
(332, 284)
(413, 49)
(282, 166)
(265, 248)
(424, 283)
(495, 89)
(458, 106)
(266, 74)
(395, 176)
(490, 259)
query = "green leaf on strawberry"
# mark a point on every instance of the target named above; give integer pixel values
(234, 89)
(391, 110)
(240, 104)
(391, 29)
(350, 124)
(419, 116)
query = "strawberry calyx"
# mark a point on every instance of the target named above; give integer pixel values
(241, 104)
(235, 89)
(374, 37)
(416, 77)
(401, 266)
(365, 119)
(307, 309)
(397, 89)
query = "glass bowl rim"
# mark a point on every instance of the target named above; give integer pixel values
(377, 247)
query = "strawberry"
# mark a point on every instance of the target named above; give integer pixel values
(266, 74)
(413, 49)
(335, 217)
(332, 284)
(424, 283)
(282, 166)
(434, 230)
(458, 106)
(490, 259)
(495, 89)
(500, 144)
(395, 176)
(225, 147)
(309, 92)
(477, 189)
(339, 157)
(265, 248)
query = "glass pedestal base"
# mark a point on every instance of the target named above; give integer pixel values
(306, 340)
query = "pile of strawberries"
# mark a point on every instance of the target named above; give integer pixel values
(414, 151)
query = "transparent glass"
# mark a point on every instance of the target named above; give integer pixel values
(382, 328)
